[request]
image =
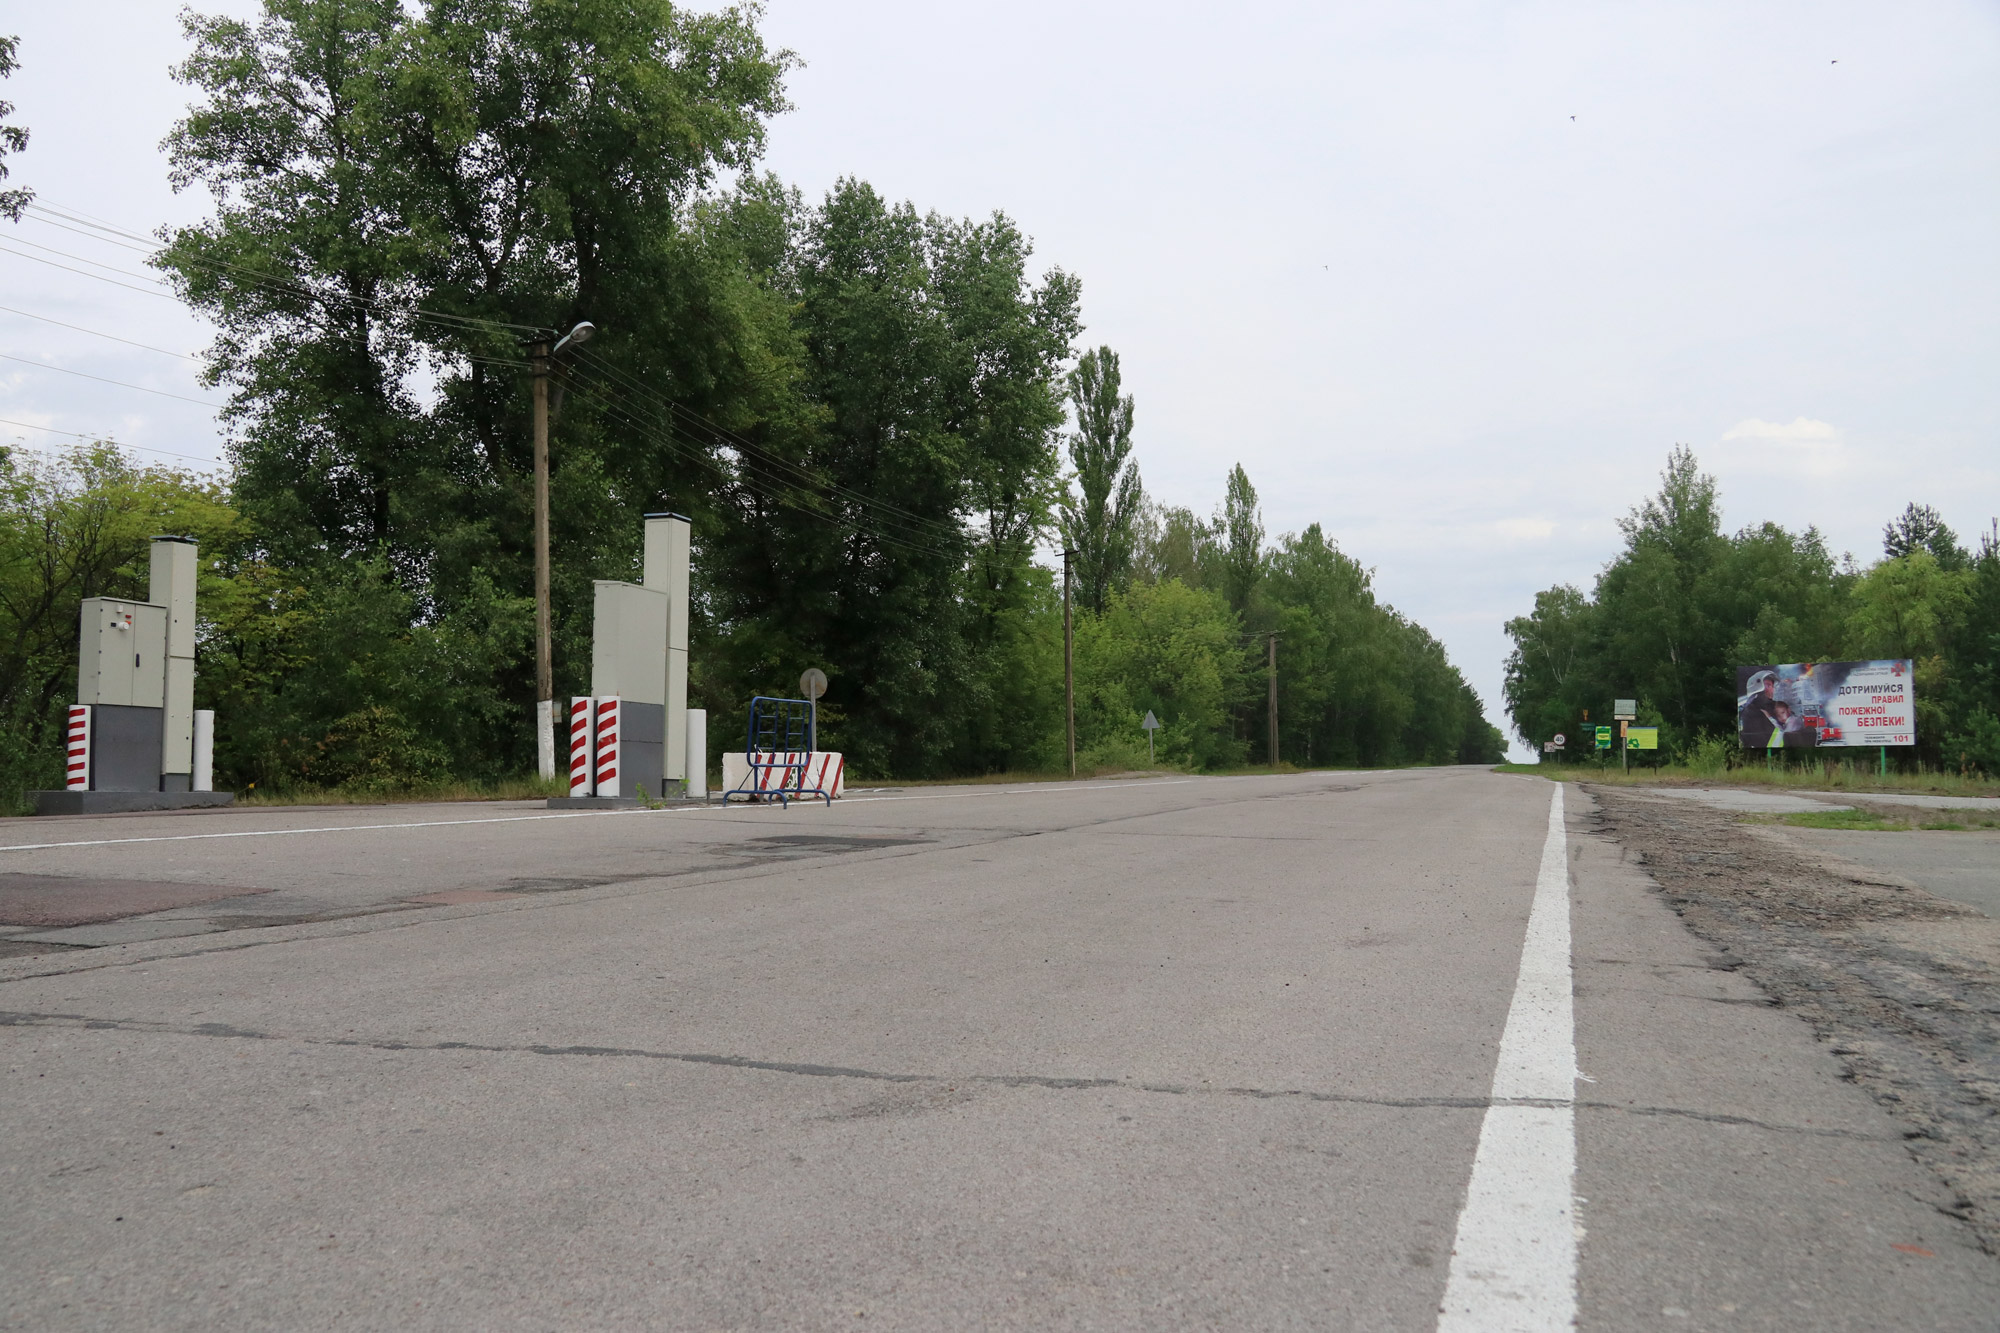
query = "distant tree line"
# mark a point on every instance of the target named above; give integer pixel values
(865, 410)
(1684, 604)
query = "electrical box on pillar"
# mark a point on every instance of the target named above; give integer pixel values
(628, 738)
(131, 742)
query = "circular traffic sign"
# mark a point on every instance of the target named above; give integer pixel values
(813, 683)
(1561, 739)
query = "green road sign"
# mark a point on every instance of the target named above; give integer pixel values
(1604, 738)
(1642, 738)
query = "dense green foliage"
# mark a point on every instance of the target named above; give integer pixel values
(1684, 604)
(861, 407)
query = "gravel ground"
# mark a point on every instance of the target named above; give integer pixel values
(1902, 985)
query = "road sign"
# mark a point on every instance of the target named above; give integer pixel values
(1624, 710)
(1151, 725)
(813, 683)
(1603, 738)
(1642, 738)
(1560, 739)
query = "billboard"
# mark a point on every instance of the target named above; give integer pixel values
(1642, 738)
(1808, 704)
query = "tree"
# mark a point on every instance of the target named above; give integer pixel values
(889, 541)
(1241, 526)
(404, 193)
(1100, 523)
(1172, 542)
(1922, 528)
(1171, 649)
(1547, 686)
(13, 138)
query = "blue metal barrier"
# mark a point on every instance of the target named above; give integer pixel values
(779, 745)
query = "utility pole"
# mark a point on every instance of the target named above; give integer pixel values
(540, 357)
(1272, 640)
(1069, 667)
(545, 676)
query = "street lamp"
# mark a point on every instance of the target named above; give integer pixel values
(540, 354)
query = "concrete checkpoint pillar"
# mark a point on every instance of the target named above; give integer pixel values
(697, 754)
(173, 574)
(204, 749)
(669, 540)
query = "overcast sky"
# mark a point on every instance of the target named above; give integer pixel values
(1448, 279)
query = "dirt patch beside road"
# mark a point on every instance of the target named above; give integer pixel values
(1903, 985)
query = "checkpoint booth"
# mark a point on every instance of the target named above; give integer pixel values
(633, 738)
(134, 739)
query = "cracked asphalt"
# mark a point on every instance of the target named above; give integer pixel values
(1145, 1054)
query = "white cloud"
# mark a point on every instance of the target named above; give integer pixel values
(1800, 448)
(1525, 529)
(1801, 430)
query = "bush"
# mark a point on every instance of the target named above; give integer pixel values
(1978, 746)
(374, 750)
(1708, 753)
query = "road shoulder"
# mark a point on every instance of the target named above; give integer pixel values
(1732, 1175)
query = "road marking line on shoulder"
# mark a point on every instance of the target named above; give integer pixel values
(1514, 1260)
(567, 814)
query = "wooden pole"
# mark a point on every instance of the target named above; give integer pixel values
(1069, 668)
(1273, 751)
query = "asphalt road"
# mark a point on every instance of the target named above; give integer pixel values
(1133, 1055)
(1963, 866)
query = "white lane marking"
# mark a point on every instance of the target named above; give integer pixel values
(568, 814)
(1514, 1260)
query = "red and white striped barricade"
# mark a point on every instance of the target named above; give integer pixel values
(812, 772)
(79, 747)
(610, 717)
(582, 751)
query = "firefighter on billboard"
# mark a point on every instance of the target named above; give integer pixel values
(1757, 711)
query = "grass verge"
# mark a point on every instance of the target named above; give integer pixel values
(1881, 820)
(1833, 775)
(508, 789)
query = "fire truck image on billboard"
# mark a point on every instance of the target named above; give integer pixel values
(1807, 704)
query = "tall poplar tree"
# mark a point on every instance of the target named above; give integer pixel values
(1099, 523)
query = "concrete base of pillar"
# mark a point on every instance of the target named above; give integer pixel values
(125, 802)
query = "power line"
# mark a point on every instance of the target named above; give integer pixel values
(149, 291)
(43, 365)
(107, 439)
(777, 464)
(97, 333)
(94, 263)
(754, 469)
(699, 455)
(741, 445)
(132, 240)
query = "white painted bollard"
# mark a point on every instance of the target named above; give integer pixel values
(545, 737)
(582, 752)
(697, 754)
(204, 750)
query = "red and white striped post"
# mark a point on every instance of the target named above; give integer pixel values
(582, 754)
(79, 747)
(609, 717)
